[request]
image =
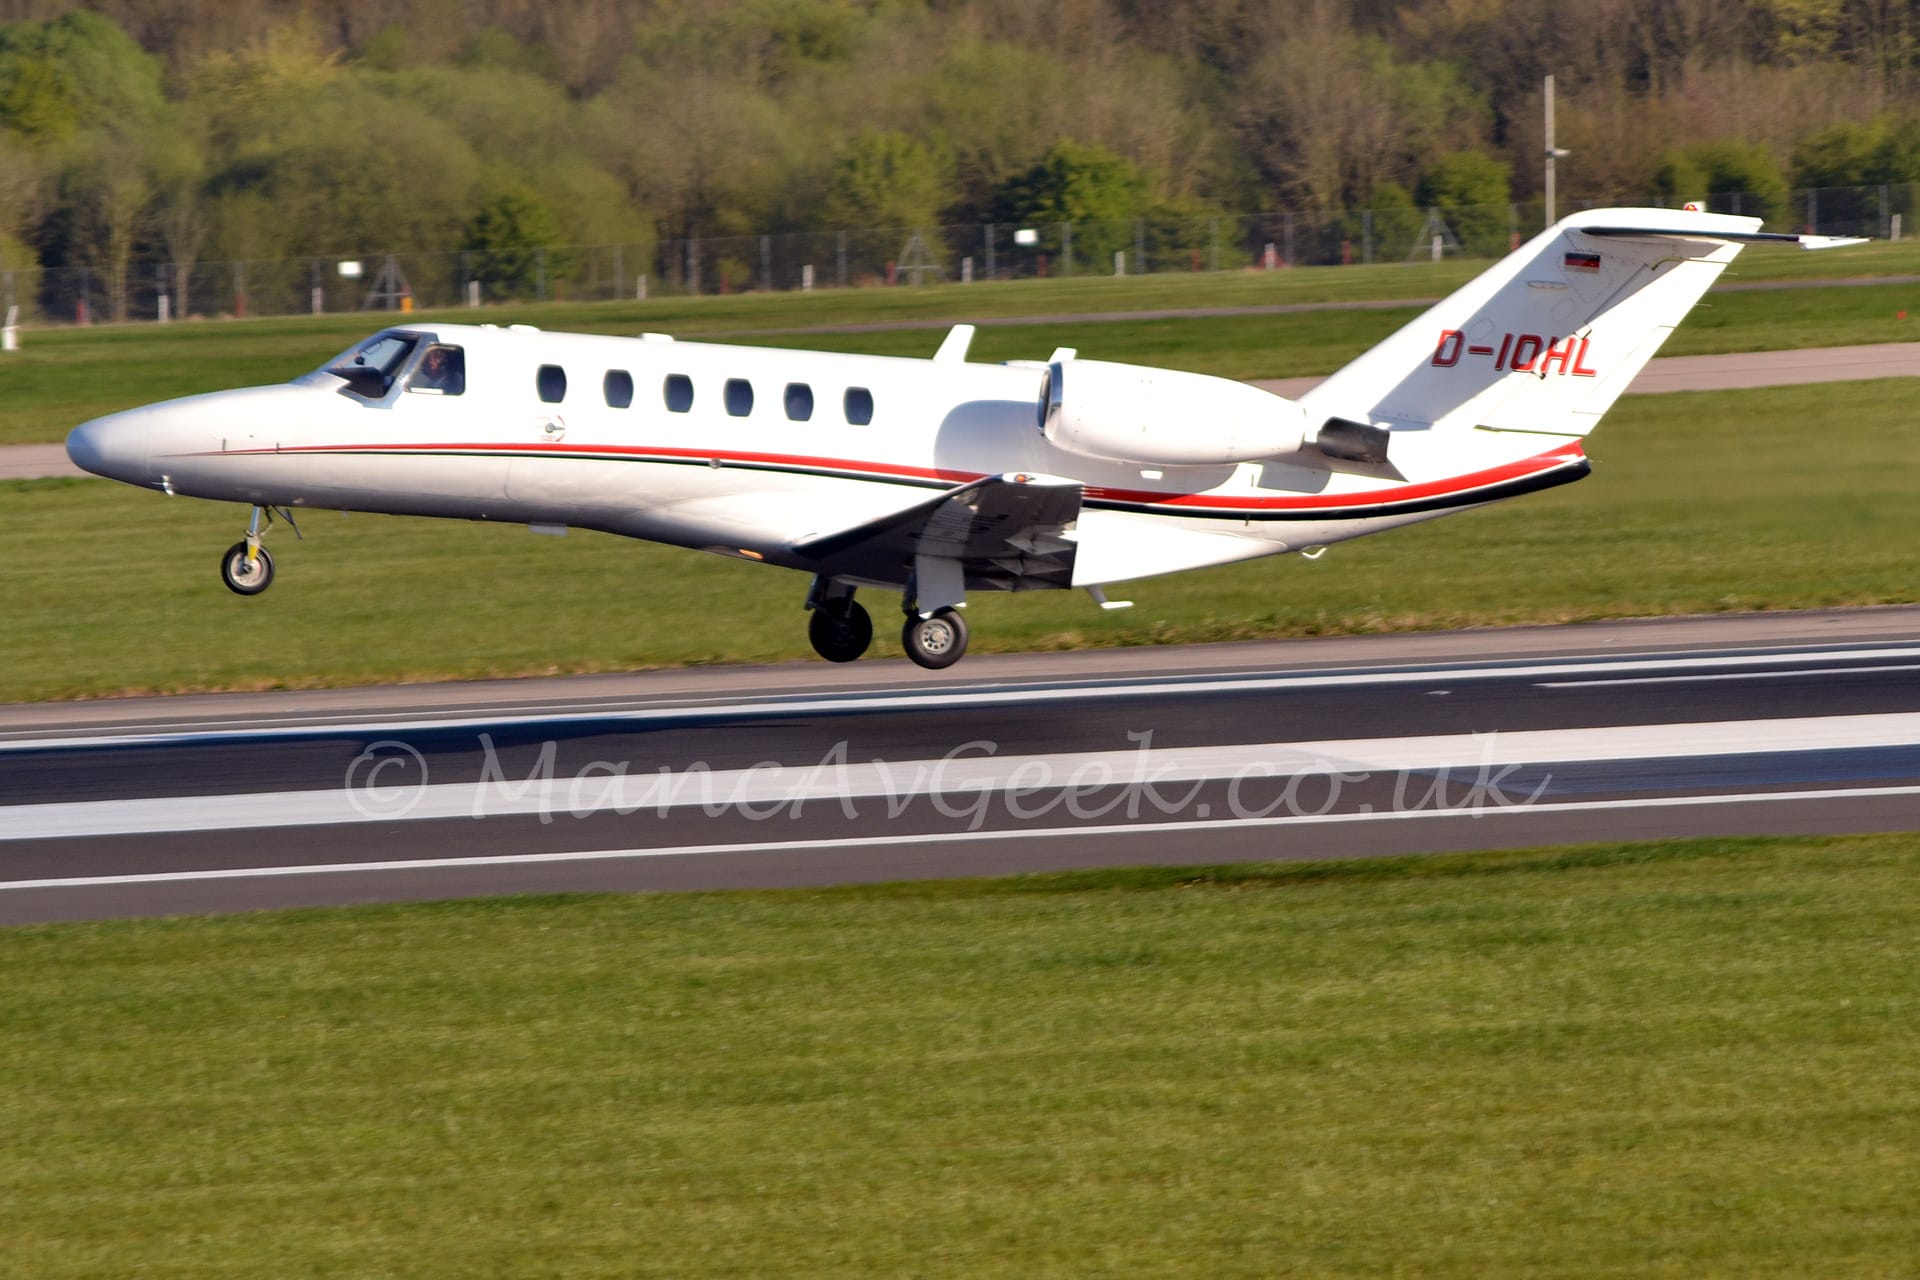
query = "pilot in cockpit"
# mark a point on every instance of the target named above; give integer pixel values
(442, 369)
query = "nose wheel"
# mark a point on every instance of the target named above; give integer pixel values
(246, 573)
(246, 567)
(935, 642)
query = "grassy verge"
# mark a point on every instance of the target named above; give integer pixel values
(1657, 1060)
(66, 376)
(1774, 499)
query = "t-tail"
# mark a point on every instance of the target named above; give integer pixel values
(1538, 348)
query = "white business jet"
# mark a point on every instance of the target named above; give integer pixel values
(939, 477)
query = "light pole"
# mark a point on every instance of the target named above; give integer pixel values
(1553, 152)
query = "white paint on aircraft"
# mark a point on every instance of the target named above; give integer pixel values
(940, 477)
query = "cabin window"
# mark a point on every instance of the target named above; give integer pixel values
(552, 381)
(799, 401)
(679, 393)
(442, 371)
(859, 406)
(618, 386)
(739, 397)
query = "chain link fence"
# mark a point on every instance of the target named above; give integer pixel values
(401, 282)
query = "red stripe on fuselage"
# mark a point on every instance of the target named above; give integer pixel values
(639, 451)
(856, 470)
(1369, 497)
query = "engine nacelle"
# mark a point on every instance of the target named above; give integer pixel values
(1162, 417)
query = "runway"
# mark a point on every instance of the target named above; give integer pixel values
(811, 775)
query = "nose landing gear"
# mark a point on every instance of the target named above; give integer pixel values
(246, 567)
(246, 570)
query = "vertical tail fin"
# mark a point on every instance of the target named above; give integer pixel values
(1546, 340)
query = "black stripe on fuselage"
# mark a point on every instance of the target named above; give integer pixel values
(1548, 478)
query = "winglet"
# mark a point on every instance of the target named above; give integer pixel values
(953, 350)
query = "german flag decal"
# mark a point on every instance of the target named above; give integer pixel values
(1583, 262)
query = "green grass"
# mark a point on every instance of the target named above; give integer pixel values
(1660, 1060)
(1797, 497)
(65, 376)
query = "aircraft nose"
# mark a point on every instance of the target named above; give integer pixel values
(114, 447)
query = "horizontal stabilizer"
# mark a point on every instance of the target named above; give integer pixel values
(1737, 237)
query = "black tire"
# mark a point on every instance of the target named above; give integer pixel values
(245, 579)
(840, 632)
(938, 642)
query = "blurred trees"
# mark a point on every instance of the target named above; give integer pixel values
(887, 180)
(105, 189)
(1088, 186)
(76, 72)
(190, 130)
(1746, 172)
(1475, 186)
(505, 240)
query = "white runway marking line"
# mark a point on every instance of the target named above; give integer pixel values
(1727, 675)
(961, 772)
(964, 837)
(963, 697)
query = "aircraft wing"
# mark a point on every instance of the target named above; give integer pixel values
(1003, 532)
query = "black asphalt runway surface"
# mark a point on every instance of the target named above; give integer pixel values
(813, 775)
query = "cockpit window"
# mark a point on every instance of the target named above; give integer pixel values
(442, 370)
(369, 368)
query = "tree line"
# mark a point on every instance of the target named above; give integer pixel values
(183, 131)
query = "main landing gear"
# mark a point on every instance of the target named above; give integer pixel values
(246, 567)
(841, 629)
(840, 632)
(937, 641)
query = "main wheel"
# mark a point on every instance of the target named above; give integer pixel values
(937, 642)
(840, 632)
(246, 577)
